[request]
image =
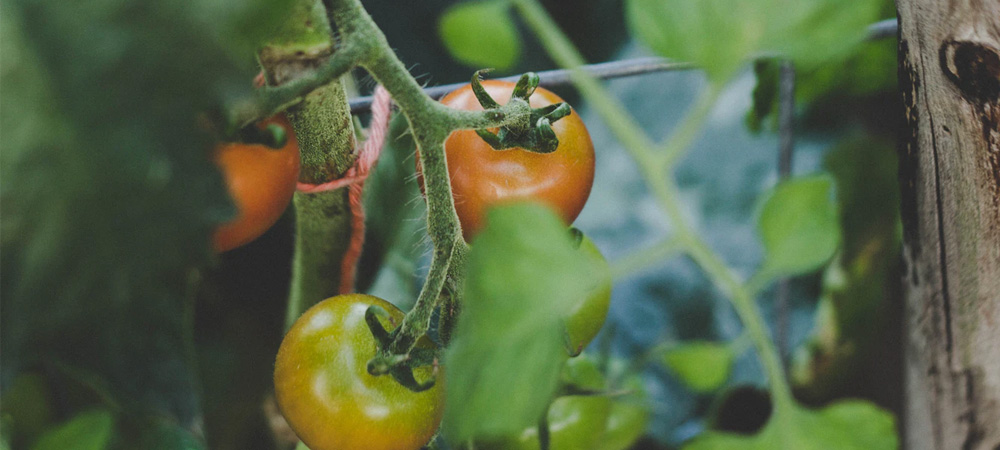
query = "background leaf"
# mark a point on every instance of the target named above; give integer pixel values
(481, 34)
(798, 226)
(86, 431)
(702, 366)
(845, 425)
(722, 35)
(109, 194)
(507, 352)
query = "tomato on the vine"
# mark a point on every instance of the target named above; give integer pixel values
(482, 177)
(261, 181)
(327, 395)
(587, 316)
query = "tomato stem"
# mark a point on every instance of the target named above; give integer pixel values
(300, 61)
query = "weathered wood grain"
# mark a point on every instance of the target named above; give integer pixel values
(949, 54)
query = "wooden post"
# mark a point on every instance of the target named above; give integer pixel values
(949, 72)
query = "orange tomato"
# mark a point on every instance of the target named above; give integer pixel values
(261, 181)
(482, 177)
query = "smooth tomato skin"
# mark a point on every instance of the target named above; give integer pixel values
(575, 422)
(326, 394)
(628, 419)
(482, 177)
(261, 181)
(587, 317)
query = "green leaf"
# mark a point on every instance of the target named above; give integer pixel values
(481, 34)
(798, 226)
(26, 408)
(86, 431)
(507, 352)
(722, 35)
(845, 425)
(717, 35)
(702, 366)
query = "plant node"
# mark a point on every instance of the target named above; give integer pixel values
(536, 133)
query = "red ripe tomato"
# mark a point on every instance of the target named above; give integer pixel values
(482, 177)
(261, 181)
(324, 390)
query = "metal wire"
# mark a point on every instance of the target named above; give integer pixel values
(607, 70)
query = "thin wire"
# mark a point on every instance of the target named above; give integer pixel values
(786, 150)
(612, 69)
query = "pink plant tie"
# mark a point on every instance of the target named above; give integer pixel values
(354, 178)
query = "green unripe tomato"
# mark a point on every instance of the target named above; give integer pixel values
(330, 400)
(587, 317)
(628, 418)
(575, 422)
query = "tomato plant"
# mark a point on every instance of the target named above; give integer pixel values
(261, 181)
(482, 177)
(328, 397)
(587, 318)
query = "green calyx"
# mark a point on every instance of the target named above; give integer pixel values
(400, 367)
(535, 134)
(273, 135)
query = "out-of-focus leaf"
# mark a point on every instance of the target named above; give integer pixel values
(481, 34)
(798, 226)
(722, 35)
(109, 195)
(845, 425)
(86, 431)
(702, 366)
(506, 354)
(161, 435)
(25, 408)
(834, 93)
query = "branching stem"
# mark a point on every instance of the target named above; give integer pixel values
(364, 45)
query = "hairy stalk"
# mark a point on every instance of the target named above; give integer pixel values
(652, 164)
(431, 123)
(299, 56)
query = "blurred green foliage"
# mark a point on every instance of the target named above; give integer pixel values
(798, 225)
(702, 366)
(720, 36)
(846, 425)
(481, 34)
(109, 194)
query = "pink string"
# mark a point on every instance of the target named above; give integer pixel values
(368, 154)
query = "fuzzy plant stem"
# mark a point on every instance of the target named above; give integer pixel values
(322, 122)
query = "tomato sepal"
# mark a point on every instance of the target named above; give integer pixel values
(536, 134)
(477, 88)
(400, 366)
